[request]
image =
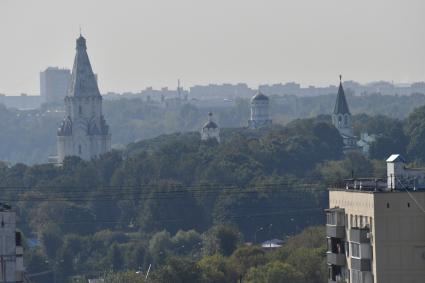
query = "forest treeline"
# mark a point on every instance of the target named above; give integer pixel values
(106, 214)
(32, 134)
(188, 208)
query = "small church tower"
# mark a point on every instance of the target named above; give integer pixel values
(341, 117)
(210, 130)
(84, 131)
(259, 111)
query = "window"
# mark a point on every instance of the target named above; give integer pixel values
(356, 276)
(79, 149)
(346, 120)
(355, 250)
(330, 218)
(388, 205)
(408, 204)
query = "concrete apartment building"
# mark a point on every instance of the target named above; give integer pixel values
(376, 228)
(54, 84)
(11, 250)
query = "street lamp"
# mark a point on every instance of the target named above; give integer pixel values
(255, 234)
(270, 234)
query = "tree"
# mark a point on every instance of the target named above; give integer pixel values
(216, 269)
(159, 247)
(247, 257)
(178, 270)
(275, 272)
(415, 130)
(115, 257)
(221, 239)
(51, 241)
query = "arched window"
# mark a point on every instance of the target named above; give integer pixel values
(346, 120)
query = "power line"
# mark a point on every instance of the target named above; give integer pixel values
(236, 216)
(135, 192)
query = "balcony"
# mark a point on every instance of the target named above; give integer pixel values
(360, 264)
(334, 231)
(335, 274)
(359, 235)
(19, 251)
(336, 259)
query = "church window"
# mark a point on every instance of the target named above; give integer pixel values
(79, 149)
(346, 120)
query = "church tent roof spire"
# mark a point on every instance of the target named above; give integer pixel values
(341, 105)
(83, 80)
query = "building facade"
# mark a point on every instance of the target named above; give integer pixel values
(260, 112)
(11, 249)
(84, 131)
(376, 228)
(210, 130)
(54, 84)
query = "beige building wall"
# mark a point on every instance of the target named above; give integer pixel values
(400, 237)
(397, 224)
(359, 212)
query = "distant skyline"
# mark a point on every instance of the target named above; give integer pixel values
(134, 44)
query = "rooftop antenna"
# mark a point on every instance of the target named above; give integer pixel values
(178, 88)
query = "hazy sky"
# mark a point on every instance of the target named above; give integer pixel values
(133, 44)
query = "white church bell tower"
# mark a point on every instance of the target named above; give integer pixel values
(84, 131)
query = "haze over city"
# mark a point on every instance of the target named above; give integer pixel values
(136, 44)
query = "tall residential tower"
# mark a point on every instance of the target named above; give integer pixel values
(54, 84)
(84, 131)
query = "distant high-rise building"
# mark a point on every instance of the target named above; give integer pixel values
(259, 111)
(210, 130)
(84, 131)
(11, 249)
(376, 227)
(341, 119)
(54, 84)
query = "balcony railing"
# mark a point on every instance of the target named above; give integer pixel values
(334, 231)
(336, 259)
(359, 235)
(361, 264)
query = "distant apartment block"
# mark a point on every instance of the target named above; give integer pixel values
(21, 102)
(54, 84)
(376, 228)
